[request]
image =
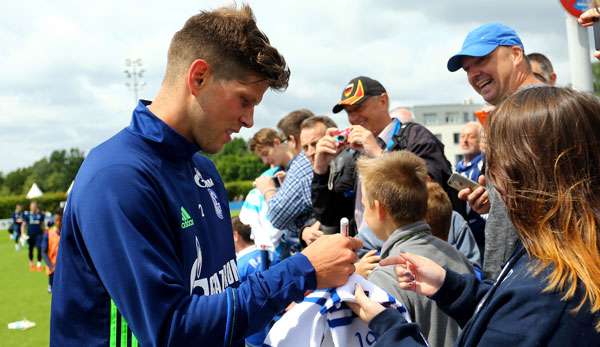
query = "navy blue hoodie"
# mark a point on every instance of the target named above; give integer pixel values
(146, 254)
(515, 313)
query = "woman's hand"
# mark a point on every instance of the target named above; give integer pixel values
(365, 308)
(419, 274)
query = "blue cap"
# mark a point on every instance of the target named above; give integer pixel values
(483, 41)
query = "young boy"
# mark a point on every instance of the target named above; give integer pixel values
(450, 226)
(394, 193)
(250, 259)
(50, 246)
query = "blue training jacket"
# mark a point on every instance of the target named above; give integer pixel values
(146, 252)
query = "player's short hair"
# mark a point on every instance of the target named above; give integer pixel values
(230, 42)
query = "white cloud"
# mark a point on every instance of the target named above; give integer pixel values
(62, 62)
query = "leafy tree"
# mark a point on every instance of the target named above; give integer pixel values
(236, 163)
(52, 174)
(15, 180)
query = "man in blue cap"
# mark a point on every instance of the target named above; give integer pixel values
(494, 59)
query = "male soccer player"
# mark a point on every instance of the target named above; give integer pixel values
(147, 254)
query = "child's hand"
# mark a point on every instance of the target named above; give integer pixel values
(367, 263)
(365, 308)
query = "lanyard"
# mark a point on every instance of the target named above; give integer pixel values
(505, 271)
(391, 142)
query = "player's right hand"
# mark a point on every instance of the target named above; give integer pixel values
(333, 257)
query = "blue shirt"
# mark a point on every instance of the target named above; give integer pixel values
(34, 221)
(472, 169)
(146, 252)
(17, 218)
(291, 206)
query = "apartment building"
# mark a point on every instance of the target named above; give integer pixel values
(445, 121)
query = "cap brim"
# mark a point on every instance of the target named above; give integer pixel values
(481, 50)
(337, 108)
(340, 106)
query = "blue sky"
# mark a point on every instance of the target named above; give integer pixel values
(62, 62)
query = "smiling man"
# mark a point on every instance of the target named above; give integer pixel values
(373, 132)
(493, 57)
(147, 254)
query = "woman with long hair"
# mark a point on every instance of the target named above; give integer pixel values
(544, 159)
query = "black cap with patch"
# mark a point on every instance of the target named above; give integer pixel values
(357, 91)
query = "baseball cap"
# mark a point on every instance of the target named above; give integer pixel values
(482, 41)
(357, 91)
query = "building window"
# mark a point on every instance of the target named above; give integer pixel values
(454, 118)
(439, 136)
(456, 138)
(468, 117)
(430, 119)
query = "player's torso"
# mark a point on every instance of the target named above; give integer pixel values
(199, 216)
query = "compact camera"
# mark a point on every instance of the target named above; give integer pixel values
(341, 136)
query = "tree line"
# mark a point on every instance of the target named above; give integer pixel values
(56, 172)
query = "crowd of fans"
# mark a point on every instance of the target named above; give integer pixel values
(357, 222)
(389, 176)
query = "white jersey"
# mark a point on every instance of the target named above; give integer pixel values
(323, 319)
(254, 213)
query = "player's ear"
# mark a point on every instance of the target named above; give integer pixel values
(197, 76)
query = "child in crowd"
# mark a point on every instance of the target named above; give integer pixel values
(50, 246)
(544, 161)
(449, 225)
(250, 260)
(394, 193)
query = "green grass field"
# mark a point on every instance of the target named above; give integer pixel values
(23, 294)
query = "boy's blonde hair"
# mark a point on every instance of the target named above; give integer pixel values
(439, 211)
(398, 181)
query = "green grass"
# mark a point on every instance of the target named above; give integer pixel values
(23, 294)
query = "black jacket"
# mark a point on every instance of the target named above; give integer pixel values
(516, 313)
(333, 194)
